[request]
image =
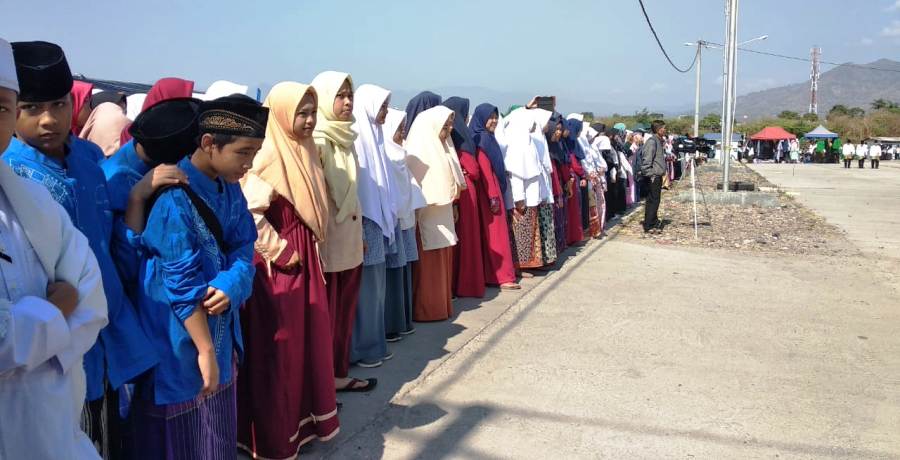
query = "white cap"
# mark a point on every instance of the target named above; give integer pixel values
(8, 77)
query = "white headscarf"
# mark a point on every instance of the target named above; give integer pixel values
(407, 194)
(375, 183)
(521, 156)
(224, 88)
(135, 103)
(541, 119)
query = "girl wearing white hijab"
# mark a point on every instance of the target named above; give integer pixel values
(552, 237)
(589, 164)
(407, 197)
(433, 162)
(529, 184)
(375, 188)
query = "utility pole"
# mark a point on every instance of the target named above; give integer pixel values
(700, 44)
(731, 65)
(724, 76)
(814, 80)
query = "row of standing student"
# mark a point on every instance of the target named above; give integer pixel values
(249, 254)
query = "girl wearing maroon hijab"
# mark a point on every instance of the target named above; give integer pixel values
(163, 90)
(81, 105)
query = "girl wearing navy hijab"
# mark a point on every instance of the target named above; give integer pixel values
(577, 181)
(468, 255)
(560, 183)
(499, 269)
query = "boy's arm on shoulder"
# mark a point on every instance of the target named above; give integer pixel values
(170, 237)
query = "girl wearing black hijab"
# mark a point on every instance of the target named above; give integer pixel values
(559, 160)
(468, 254)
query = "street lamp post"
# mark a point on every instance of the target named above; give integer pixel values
(730, 64)
(697, 89)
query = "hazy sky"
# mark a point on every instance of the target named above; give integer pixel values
(593, 50)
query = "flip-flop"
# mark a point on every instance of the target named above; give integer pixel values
(352, 388)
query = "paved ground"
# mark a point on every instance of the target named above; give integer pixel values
(721, 355)
(863, 202)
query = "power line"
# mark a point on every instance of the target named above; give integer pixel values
(795, 58)
(663, 49)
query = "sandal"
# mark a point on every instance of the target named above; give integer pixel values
(353, 388)
(510, 286)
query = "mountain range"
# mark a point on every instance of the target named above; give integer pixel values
(850, 85)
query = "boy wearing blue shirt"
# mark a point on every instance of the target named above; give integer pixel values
(197, 270)
(161, 136)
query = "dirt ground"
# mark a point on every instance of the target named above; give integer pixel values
(789, 228)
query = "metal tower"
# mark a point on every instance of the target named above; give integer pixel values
(815, 54)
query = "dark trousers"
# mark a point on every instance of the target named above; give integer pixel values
(651, 208)
(862, 163)
(875, 162)
(847, 163)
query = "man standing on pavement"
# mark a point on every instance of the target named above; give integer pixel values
(862, 152)
(875, 155)
(653, 167)
(848, 151)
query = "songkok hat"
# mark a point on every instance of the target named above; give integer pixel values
(43, 71)
(168, 131)
(235, 115)
(7, 67)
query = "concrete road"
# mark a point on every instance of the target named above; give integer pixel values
(863, 202)
(636, 350)
(721, 356)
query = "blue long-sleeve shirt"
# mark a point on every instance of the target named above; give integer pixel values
(181, 259)
(123, 350)
(123, 170)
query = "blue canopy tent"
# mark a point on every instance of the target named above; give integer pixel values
(821, 133)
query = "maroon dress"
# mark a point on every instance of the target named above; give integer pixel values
(498, 259)
(574, 232)
(286, 394)
(468, 255)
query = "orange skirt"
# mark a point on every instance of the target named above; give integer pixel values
(432, 284)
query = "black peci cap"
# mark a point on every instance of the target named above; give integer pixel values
(42, 70)
(168, 130)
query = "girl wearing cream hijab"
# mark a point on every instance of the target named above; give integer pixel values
(433, 162)
(342, 250)
(286, 393)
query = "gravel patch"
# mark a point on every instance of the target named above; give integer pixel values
(788, 228)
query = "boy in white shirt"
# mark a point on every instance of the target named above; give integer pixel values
(52, 307)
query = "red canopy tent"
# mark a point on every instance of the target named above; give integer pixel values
(772, 133)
